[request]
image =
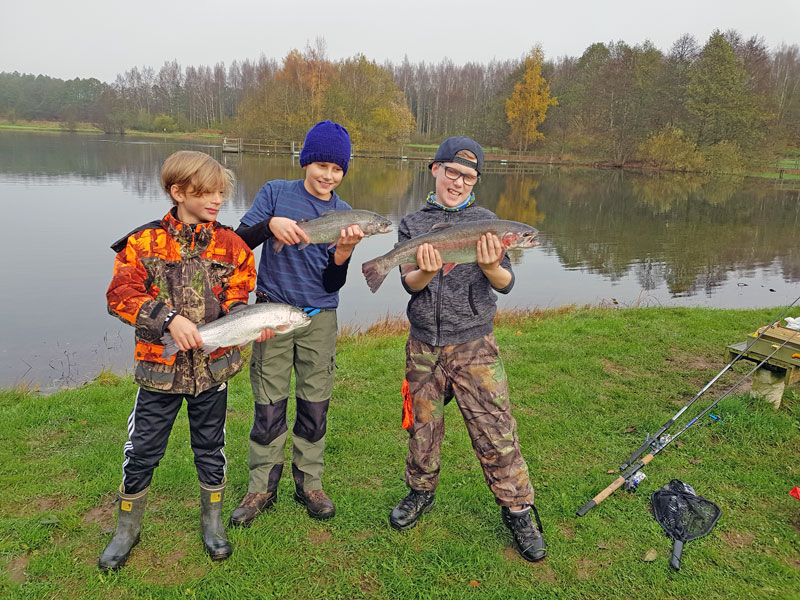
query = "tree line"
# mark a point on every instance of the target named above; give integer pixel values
(692, 107)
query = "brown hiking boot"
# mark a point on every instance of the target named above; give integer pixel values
(250, 507)
(317, 503)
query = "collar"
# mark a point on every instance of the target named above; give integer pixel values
(432, 200)
(193, 238)
(171, 223)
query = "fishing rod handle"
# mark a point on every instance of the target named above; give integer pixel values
(614, 486)
(675, 559)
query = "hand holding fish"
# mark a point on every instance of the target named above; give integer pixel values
(489, 254)
(185, 333)
(429, 262)
(287, 231)
(348, 238)
(267, 334)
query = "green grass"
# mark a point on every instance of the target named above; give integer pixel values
(586, 385)
(50, 127)
(774, 175)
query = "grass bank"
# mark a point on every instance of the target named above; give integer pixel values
(586, 385)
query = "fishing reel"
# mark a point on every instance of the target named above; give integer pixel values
(659, 443)
(633, 481)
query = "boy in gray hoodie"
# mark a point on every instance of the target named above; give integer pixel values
(451, 352)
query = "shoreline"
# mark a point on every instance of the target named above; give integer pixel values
(392, 326)
(503, 157)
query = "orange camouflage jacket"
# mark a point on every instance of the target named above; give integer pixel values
(199, 270)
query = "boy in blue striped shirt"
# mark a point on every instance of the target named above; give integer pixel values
(310, 279)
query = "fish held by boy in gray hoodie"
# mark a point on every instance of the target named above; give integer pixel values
(457, 244)
(326, 228)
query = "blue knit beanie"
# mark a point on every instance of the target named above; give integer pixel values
(326, 142)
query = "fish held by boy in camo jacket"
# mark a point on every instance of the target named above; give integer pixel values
(244, 325)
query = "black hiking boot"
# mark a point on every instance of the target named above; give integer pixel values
(130, 510)
(405, 515)
(527, 537)
(214, 537)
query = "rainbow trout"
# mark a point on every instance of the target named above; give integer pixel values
(456, 245)
(244, 325)
(326, 229)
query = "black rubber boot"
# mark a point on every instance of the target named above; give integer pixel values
(527, 537)
(214, 536)
(405, 515)
(130, 510)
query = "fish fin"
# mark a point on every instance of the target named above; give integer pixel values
(448, 267)
(332, 245)
(170, 347)
(328, 212)
(208, 348)
(302, 245)
(281, 328)
(373, 274)
(277, 246)
(441, 226)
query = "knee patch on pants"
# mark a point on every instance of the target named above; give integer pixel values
(311, 420)
(269, 421)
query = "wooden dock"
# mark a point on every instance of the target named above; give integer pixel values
(232, 145)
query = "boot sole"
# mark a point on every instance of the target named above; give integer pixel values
(218, 557)
(319, 516)
(120, 564)
(414, 522)
(242, 524)
(532, 559)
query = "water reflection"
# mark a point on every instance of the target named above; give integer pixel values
(605, 234)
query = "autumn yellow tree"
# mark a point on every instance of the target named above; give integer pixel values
(528, 104)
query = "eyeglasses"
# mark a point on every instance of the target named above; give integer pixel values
(454, 174)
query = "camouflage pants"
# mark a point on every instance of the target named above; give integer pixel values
(473, 373)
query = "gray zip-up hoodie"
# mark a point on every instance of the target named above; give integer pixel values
(457, 307)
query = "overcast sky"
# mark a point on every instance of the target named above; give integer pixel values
(100, 38)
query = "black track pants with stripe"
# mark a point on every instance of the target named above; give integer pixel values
(149, 426)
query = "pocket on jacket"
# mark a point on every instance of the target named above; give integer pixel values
(224, 363)
(152, 369)
(471, 299)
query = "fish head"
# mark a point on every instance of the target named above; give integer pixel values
(377, 224)
(523, 238)
(298, 318)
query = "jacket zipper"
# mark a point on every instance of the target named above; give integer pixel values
(439, 286)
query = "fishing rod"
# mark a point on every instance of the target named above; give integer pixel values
(652, 439)
(657, 445)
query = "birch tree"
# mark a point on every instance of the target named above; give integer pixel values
(527, 107)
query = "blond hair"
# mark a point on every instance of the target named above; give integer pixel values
(198, 170)
(467, 154)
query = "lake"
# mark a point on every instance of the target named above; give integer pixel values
(607, 237)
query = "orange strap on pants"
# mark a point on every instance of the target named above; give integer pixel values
(408, 409)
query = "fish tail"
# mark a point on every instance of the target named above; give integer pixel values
(170, 347)
(374, 274)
